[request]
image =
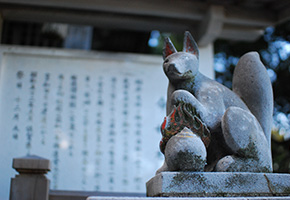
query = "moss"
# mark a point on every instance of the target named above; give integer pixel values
(187, 162)
(248, 160)
(236, 179)
(286, 191)
(182, 177)
(249, 152)
(247, 165)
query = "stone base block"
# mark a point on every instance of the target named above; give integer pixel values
(218, 184)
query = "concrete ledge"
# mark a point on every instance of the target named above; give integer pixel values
(215, 184)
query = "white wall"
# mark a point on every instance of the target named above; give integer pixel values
(206, 58)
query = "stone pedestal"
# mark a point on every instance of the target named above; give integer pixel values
(216, 184)
(31, 183)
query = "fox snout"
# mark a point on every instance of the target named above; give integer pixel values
(172, 68)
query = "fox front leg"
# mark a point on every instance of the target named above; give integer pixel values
(183, 96)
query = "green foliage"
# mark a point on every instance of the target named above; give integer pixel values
(281, 156)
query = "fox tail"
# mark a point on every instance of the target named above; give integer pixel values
(252, 83)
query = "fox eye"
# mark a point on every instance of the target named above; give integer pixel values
(166, 61)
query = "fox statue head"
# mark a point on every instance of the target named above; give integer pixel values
(179, 66)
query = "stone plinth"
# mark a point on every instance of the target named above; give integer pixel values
(218, 184)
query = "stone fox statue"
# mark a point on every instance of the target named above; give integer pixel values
(238, 120)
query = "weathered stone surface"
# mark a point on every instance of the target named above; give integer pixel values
(215, 184)
(182, 155)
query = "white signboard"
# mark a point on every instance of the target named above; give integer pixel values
(96, 116)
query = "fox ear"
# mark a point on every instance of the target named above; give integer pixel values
(189, 44)
(168, 48)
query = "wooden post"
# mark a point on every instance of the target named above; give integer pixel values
(31, 183)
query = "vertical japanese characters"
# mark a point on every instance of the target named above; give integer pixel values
(96, 120)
